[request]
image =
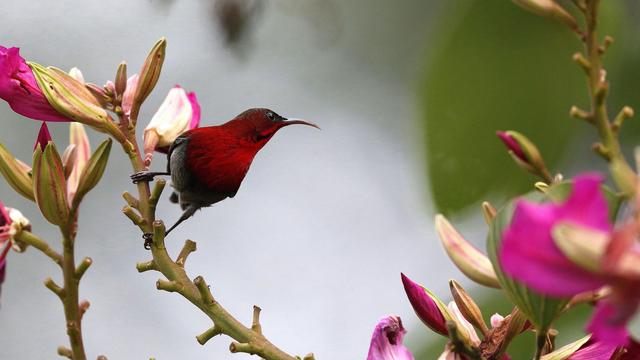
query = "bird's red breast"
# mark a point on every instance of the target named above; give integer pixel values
(220, 156)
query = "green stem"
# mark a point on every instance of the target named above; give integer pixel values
(621, 172)
(70, 300)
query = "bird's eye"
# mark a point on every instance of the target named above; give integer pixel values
(271, 116)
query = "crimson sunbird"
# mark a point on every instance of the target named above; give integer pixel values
(208, 164)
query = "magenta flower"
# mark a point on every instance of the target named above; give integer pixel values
(529, 254)
(19, 88)
(425, 305)
(11, 222)
(44, 136)
(386, 341)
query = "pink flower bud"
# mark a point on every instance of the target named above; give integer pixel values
(512, 145)
(43, 137)
(426, 306)
(18, 87)
(386, 341)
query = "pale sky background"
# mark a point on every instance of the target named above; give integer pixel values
(325, 220)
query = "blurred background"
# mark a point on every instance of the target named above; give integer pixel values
(408, 94)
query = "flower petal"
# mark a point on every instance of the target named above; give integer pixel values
(44, 136)
(386, 341)
(18, 87)
(605, 327)
(529, 253)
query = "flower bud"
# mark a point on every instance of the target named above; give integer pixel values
(427, 306)
(68, 160)
(44, 137)
(178, 113)
(129, 92)
(16, 174)
(149, 75)
(550, 9)
(77, 137)
(121, 78)
(50, 185)
(93, 171)
(17, 224)
(524, 153)
(474, 264)
(69, 96)
(468, 307)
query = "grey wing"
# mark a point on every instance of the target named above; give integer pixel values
(178, 142)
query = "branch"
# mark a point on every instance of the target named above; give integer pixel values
(176, 279)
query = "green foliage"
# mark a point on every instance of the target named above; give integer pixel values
(497, 67)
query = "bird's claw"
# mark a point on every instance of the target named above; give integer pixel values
(141, 176)
(148, 240)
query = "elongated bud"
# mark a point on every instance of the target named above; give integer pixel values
(129, 93)
(524, 153)
(465, 256)
(550, 9)
(149, 75)
(49, 185)
(16, 174)
(78, 137)
(468, 307)
(121, 78)
(92, 173)
(624, 178)
(427, 306)
(69, 96)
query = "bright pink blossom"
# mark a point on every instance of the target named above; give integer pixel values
(386, 341)
(5, 243)
(18, 87)
(530, 255)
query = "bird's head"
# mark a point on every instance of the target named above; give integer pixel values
(264, 123)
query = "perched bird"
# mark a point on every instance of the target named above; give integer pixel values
(208, 164)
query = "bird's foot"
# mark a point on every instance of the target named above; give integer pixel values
(141, 176)
(148, 240)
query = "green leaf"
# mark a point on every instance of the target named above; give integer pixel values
(496, 67)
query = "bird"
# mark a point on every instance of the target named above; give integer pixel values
(208, 164)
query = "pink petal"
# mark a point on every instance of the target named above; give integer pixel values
(195, 105)
(18, 87)
(605, 327)
(528, 252)
(44, 136)
(4, 216)
(386, 341)
(424, 306)
(594, 350)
